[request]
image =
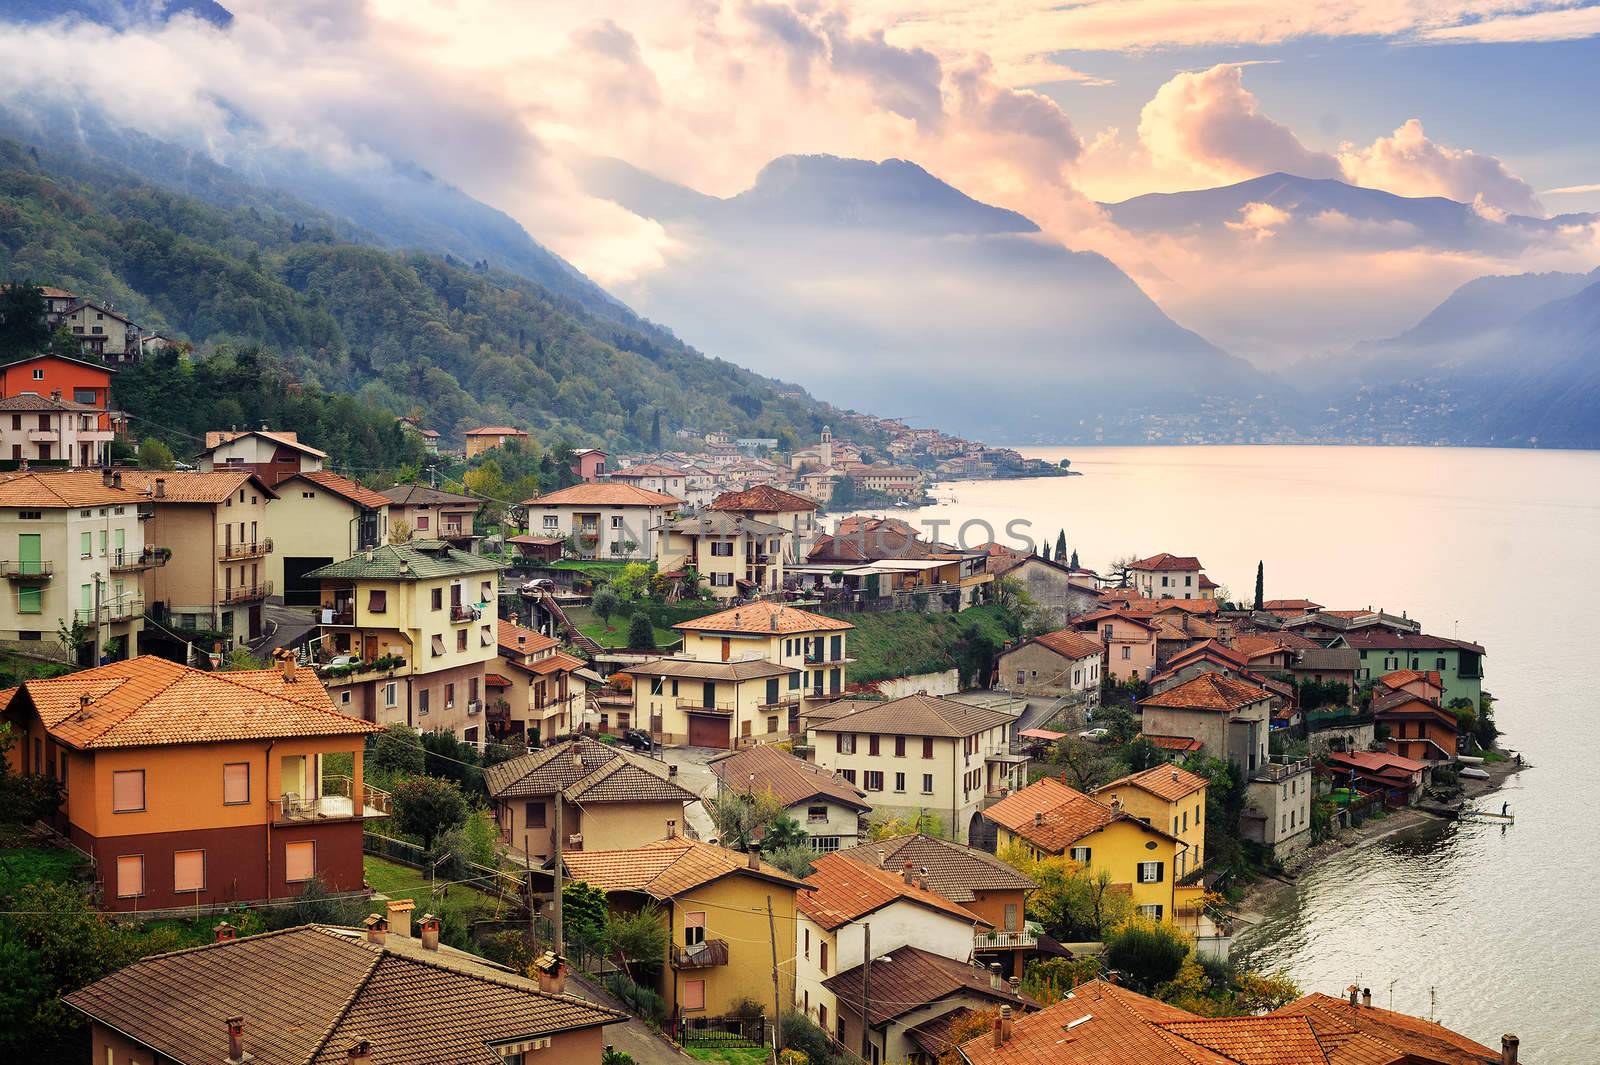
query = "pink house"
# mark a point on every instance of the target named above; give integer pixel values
(588, 464)
(1130, 642)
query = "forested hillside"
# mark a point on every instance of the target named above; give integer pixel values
(402, 331)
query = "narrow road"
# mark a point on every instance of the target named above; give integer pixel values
(633, 1036)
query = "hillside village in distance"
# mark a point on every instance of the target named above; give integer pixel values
(656, 763)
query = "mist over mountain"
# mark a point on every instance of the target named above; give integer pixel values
(118, 14)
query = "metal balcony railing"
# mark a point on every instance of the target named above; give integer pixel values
(462, 612)
(245, 549)
(29, 570)
(149, 558)
(697, 704)
(998, 940)
(706, 955)
(246, 593)
(1276, 770)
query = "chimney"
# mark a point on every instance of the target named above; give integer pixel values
(999, 1033)
(1005, 1024)
(161, 488)
(116, 479)
(1174, 774)
(105, 476)
(1366, 997)
(224, 933)
(400, 916)
(552, 972)
(1352, 991)
(84, 701)
(1016, 986)
(577, 759)
(1038, 817)
(755, 858)
(1063, 778)
(359, 1053)
(1508, 1049)
(236, 1053)
(286, 659)
(1116, 805)
(995, 980)
(429, 927)
(922, 880)
(55, 394)
(905, 873)
(672, 829)
(672, 771)
(377, 929)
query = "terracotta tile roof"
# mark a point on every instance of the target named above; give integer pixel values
(411, 495)
(908, 978)
(1165, 562)
(34, 401)
(594, 776)
(1208, 691)
(918, 715)
(178, 487)
(1183, 627)
(560, 662)
(1379, 762)
(1401, 1032)
(56, 490)
(667, 867)
(699, 669)
(308, 993)
(495, 430)
(629, 778)
(646, 469)
(495, 680)
(1169, 782)
(954, 870)
(1071, 644)
(763, 617)
(1174, 743)
(843, 890)
(216, 438)
(787, 777)
(1257, 646)
(1401, 677)
(722, 523)
(149, 701)
(1106, 615)
(602, 494)
(518, 640)
(1050, 815)
(1383, 640)
(1211, 648)
(345, 488)
(1304, 606)
(763, 499)
(935, 1038)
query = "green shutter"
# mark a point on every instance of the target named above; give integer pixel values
(30, 601)
(29, 557)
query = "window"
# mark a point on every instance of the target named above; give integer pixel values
(189, 871)
(422, 700)
(825, 844)
(38, 375)
(130, 875)
(1152, 913)
(552, 522)
(235, 783)
(845, 743)
(772, 722)
(694, 928)
(30, 600)
(461, 639)
(1127, 651)
(1081, 854)
(805, 943)
(86, 545)
(927, 783)
(437, 645)
(849, 775)
(299, 861)
(391, 694)
(815, 814)
(127, 791)
(823, 956)
(873, 780)
(927, 747)
(899, 782)
(378, 601)
(722, 548)
(449, 696)
(1011, 917)
(1150, 872)
(655, 685)
(822, 1016)
(534, 815)
(438, 598)
(872, 745)
(1022, 677)
(721, 580)
(616, 521)
(694, 994)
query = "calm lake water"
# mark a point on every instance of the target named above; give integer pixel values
(1489, 929)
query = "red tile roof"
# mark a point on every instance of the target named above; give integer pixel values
(48, 490)
(217, 486)
(1208, 691)
(645, 469)
(603, 494)
(1071, 644)
(1052, 816)
(763, 499)
(908, 978)
(495, 430)
(344, 487)
(1174, 743)
(791, 780)
(216, 438)
(1107, 615)
(516, 640)
(1383, 640)
(1169, 782)
(1165, 562)
(844, 890)
(1401, 677)
(764, 616)
(667, 867)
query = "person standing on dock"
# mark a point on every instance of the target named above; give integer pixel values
(1505, 806)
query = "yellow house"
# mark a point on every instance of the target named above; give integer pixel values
(1166, 796)
(715, 903)
(735, 556)
(419, 618)
(715, 704)
(319, 518)
(1048, 818)
(783, 635)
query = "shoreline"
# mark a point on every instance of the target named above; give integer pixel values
(1264, 893)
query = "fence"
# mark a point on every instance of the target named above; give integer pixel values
(506, 886)
(716, 1033)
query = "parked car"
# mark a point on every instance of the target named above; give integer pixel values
(639, 740)
(340, 661)
(1094, 734)
(537, 585)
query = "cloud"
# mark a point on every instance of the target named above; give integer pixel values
(1565, 24)
(1208, 121)
(1409, 164)
(1258, 221)
(1572, 190)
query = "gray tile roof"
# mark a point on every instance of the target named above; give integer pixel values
(746, 669)
(918, 715)
(954, 871)
(415, 561)
(601, 773)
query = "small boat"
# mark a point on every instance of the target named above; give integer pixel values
(1473, 772)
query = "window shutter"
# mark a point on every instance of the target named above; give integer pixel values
(189, 871)
(299, 861)
(236, 783)
(127, 791)
(378, 601)
(130, 875)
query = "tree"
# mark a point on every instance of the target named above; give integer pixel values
(633, 583)
(1072, 900)
(584, 918)
(976, 1023)
(639, 941)
(606, 603)
(399, 531)
(154, 455)
(1044, 552)
(641, 633)
(1061, 546)
(655, 429)
(398, 750)
(743, 818)
(1074, 562)
(427, 807)
(782, 832)
(1261, 586)
(795, 860)
(926, 823)
(23, 329)
(1146, 953)
(844, 494)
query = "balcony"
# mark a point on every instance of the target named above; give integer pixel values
(707, 955)
(341, 613)
(1025, 939)
(28, 570)
(333, 804)
(230, 552)
(460, 612)
(132, 561)
(474, 707)
(246, 593)
(112, 612)
(697, 706)
(1275, 771)
(43, 436)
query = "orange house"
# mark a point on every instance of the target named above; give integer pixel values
(1418, 728)
(1130, 642)
(45, 375)
(189, 788)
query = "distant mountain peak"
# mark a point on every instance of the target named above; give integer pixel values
(117, 14)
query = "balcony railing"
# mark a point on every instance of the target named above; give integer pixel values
(247, 593)
(29, 570)
(334, 803)
(1275, 770)
(116, 610)
(704, 955)
(340, 614)
(245, 549)
(704, 707)
(149, 558)
(1028, 937)
(474, 707)
(462, 612)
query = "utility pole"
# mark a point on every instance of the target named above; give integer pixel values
(777, 998)
(527, 885)
(556, 921)
(866, 989)
(95, 619)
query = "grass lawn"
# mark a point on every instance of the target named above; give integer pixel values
(731, 1055)
(33, 865)
(905, 643)
(615, 634)
(403, 882)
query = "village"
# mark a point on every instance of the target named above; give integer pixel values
(659, 764)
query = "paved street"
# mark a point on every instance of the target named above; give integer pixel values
(633, 1036)
(696, 775)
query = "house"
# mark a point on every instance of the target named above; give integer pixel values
(734, 557)
(537, 549)
(909, 990)
(716, 906)
(978, 881)
(320, 518)
(1396, 779)
(1272, 652)
(51, 431)
(1458, 662)
(1048, 818)
(1325, 665)
(61, 380)
(813, 643)
(1058, 665)
(1098, 1023)
(420, 619)
(1290, 608)
(1130, 642)
(536, 691)
(1168, 576)
(318, 994)
(824, 804)
(191, 789)
(588, 464)
(1425, 683)
(846, 901)
(489, 437)
(710, 703)
(432, 514)
(1167, 796)
(603, 519)
(76, 561)
(654, 477)
(98, 329)
(920, 754)
(272, 456)
(214, 527)
(1418, 728)
(902, 482)
(764, 502)
(1057, 588)
(612, 798)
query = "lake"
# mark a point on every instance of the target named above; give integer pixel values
(1487, 929)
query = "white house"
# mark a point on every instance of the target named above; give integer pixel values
(605, 519)
(827, 807)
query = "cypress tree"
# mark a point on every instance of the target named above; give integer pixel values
(1261, 585)
(1061, 545)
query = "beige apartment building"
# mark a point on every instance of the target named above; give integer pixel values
(74, 558)
(797, 514)
(49, 429)
(813, 644)
(213, 525)
(605, 520)
(714, 704)
(536, 692)
(432, 514)
(735, 556)
(320, 518)
(421, 619)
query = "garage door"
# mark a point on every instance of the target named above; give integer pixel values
(298, 590)
(708, 731)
